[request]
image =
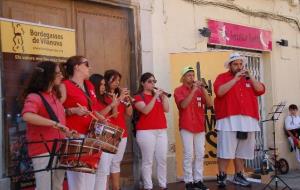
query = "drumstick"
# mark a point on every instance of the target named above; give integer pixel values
(66, 130)
(60, 128)
(102, 118)
(89, 112)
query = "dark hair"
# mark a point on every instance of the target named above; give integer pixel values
(96, 81)
(293, 107)
(68, 67)
(143, 79)
(41, 78)
(110, 76)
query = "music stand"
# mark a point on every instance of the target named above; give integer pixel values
(54, 155)
(274, 116)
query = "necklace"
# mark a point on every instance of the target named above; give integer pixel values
(79, 86)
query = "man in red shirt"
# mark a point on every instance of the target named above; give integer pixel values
(191, 98)
(236, 109)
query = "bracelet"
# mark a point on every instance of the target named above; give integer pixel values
(68, 111)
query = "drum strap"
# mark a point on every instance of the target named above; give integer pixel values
(48, 108)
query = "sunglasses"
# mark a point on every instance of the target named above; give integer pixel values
(85, 62)
(151, 81)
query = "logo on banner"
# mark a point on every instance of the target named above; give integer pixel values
(18, 38)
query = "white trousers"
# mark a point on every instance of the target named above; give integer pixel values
(43, 179)
(153, 143)
(80, 180)
(193, 143)
(109, 163)
(229, 147)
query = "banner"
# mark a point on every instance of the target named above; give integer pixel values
(32, 39)
(23, 45)
(211, 64)
(234, 35)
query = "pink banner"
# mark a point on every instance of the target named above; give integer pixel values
(227, 34)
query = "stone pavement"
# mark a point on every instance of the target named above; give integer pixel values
(292, 179)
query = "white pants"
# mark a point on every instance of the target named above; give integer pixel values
(295, 148)
(153, 143)
(229, 147)
(193, 142)
(80, 180)
(109, 163)
(43, 179)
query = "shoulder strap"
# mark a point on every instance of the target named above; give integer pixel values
(86, 93)
(48, 108)
(142, 96)
(88, 96)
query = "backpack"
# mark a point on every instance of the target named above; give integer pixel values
(136, 117)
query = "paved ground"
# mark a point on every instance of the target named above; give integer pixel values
(292, 179)
(212, 185)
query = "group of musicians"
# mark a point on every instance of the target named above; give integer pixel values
(72, 95)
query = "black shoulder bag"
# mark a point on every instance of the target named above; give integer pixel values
(136, 117)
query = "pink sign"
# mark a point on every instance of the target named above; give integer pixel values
(227, 34)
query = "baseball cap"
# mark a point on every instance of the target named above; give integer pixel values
(186, 69)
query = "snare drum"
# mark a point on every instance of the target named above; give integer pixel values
(108, 134)
(81, 155)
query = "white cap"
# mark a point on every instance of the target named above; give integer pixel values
(235, 56)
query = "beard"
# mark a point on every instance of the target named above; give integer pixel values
(235, 71)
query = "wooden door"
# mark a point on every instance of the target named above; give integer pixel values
(103, 36)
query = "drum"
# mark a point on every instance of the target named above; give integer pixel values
(81, 155)
(108, 134)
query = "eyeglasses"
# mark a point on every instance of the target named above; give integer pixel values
(85, 62)
(151, 81)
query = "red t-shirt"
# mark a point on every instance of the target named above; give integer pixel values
(33, 104)
(192, 117)
(241, 99)
(120, 120)
(76, 95)
(155, 119)
(100, 106)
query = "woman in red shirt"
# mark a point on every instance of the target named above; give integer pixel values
(44, 83)
(103, 108)
(151, 129)
(110, 163)
(77, 89)
(101, 181)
